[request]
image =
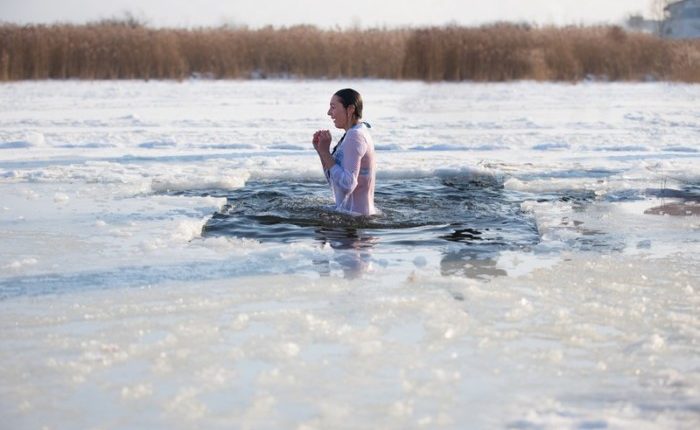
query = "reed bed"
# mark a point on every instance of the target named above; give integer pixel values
(499, 52)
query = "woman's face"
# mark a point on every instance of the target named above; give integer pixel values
(339, 114)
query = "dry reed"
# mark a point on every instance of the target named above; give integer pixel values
(500, 52)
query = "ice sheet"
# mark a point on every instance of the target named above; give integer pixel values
(118, 313)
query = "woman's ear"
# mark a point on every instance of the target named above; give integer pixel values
(351, 111)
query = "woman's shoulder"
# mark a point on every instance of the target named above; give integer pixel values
(359, 139)
(359, 131)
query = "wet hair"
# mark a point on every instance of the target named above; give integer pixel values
(349, 97)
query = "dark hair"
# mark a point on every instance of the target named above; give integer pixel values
(350, 97)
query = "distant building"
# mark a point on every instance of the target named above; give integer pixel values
(682, 20)
(639, 23)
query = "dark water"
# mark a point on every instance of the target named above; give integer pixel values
(424, 212)
(467, 223)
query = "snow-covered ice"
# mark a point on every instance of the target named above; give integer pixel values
(118, 311)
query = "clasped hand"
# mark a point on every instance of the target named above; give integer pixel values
(322, 141)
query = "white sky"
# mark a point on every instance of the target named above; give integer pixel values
(324, 13)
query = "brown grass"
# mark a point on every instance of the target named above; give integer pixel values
(501, 52)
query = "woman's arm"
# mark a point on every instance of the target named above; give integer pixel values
(345, 175)
(322, 143)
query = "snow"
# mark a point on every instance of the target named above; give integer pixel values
(117, 312)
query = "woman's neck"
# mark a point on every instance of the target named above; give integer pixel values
(352, 124)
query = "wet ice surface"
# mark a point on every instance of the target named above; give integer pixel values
(167, 259)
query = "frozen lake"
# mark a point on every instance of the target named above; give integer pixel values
(166, 262)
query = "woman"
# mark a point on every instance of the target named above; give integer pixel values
(350, 167)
